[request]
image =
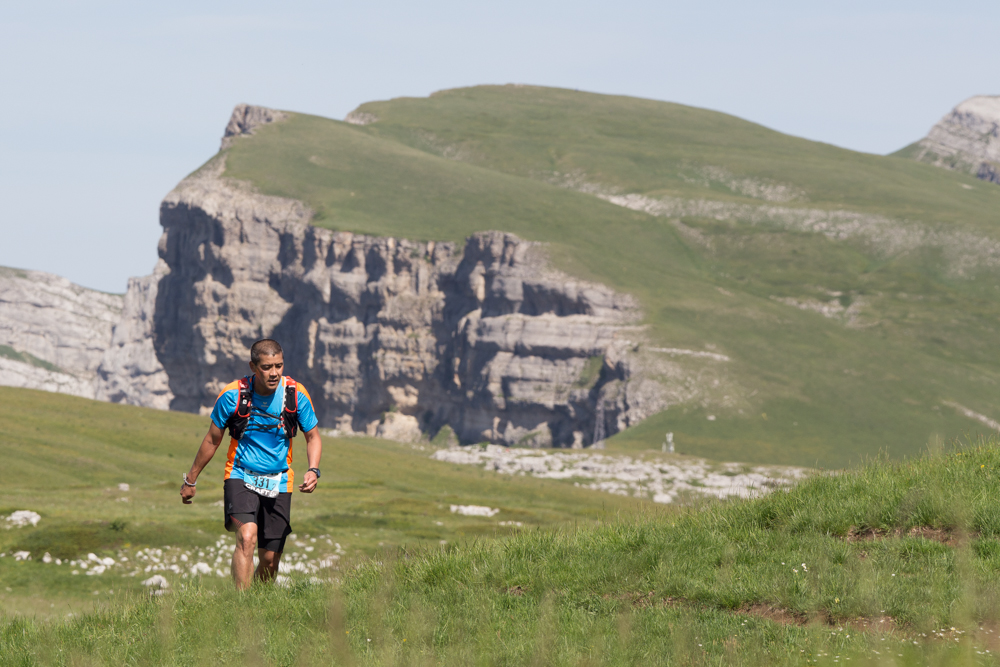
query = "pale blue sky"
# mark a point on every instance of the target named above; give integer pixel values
(106, 105)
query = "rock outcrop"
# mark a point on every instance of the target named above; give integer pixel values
(58, 336)
(130, 371)
(246, 119)
(393, 337)
(967, 139)
(53, 333)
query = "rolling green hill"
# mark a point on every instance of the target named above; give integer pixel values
(757, 232)
(650, 147)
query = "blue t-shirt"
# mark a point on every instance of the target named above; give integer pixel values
(264, 448)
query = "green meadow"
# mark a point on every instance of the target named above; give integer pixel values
(910, 352)
(888, 563)
(65, 457)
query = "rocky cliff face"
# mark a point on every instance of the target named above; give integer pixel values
(967, 139)
(247, 118)
(393, 337)
(58, 336)
(130, 371)
(53, 333)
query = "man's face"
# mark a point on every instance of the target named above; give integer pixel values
(268, 372)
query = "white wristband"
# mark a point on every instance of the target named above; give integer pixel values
(187, 483)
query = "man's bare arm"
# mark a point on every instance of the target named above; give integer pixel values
(201, 459)
(314, 451)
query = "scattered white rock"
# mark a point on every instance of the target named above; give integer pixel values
(22, 518)
(964, 252)
(22, 555)
(156, 581)
(360, 118)
(47, 558)
(399, 427)
(680, 352)
(123, 487)
(200, 569)
(663, 479)
(474, 510)
(154, 562)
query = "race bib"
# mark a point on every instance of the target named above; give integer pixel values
(262, 484)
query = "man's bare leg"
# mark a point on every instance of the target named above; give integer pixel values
(246, 542)
(267, 570)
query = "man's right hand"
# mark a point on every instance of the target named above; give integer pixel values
(201, 459)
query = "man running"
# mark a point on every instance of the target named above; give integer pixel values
(262, 412)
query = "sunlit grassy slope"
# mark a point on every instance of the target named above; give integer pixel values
(654, 147)
(889, 564)
(64, 457)
(813, 391)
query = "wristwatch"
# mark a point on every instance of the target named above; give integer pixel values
(315, 470)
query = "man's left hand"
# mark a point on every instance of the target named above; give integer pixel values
(309, 481)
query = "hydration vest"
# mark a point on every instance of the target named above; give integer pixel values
(287, 420)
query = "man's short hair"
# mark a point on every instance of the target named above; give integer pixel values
(265, 347)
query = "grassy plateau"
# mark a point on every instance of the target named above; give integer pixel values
(900, 356)
(889, 563)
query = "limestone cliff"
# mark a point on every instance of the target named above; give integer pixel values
(58, 336)
(53, 333)
(245, 119)
(393, 337)
(130, 371)
(967, 139)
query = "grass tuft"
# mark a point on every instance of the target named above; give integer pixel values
(892, 563)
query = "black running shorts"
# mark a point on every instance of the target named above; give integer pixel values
(272, 515)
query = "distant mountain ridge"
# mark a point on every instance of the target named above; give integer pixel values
(967, 139)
